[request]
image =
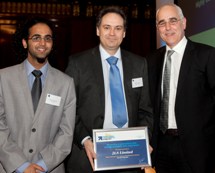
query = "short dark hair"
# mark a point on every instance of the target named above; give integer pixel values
(22, 32)
(111, 9)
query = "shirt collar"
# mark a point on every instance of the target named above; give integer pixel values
(106, 55)
(180, 47)
(30, 68)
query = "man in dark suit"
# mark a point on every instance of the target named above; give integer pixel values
(186, 145)
(90, 71)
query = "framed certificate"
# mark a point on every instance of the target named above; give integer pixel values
(121, 148)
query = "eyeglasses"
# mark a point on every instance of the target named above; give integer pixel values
(172, 22)
(38, 38)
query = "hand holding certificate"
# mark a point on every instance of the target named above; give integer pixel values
(149, 170)
(89, 149)
(121, 148)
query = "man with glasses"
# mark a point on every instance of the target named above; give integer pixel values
(182, 86)
(37, 106)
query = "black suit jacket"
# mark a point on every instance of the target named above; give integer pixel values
(195, 102)
(86, 69)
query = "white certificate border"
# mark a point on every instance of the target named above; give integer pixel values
(122, 130)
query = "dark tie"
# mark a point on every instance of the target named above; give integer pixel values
(117, 96)
(36, 88)
(166, 91)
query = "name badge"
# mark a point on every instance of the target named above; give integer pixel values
(137, 82)
(53, 100)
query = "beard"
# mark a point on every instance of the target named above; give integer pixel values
(41, 60)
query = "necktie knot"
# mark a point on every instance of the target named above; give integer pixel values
(37, 73)
(170, 52)
(112, 60)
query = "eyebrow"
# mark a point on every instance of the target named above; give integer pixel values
(171, 18)
(41, 35)
(117, 26)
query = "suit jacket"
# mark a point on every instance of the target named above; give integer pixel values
(86, 69)
(27, 136)
(194, 106)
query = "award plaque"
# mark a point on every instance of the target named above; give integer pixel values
(121, 148)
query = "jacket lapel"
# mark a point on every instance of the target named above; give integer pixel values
(185, 65)
(95, 62)
(23, 78)
(127, 77)
(48, 85)
(160, 67)
(156, 70)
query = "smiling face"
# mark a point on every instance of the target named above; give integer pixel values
(170, 25)
(38, 49)
(111, 32)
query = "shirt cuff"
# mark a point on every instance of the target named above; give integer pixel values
(82, 142)
(22, 167)
(43, 165)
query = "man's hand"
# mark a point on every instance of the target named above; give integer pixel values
(150, 149)
(34, 168)
(89, 149)
(149, 169)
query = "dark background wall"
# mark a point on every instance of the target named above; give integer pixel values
(75, 25)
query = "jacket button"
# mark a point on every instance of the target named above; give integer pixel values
(31, 151)
(33, 130)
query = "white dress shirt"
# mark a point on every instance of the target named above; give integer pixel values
(176, 60)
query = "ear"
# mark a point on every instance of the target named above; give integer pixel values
(124, 34)
(184, 22)
(97, 31)
(24, 43)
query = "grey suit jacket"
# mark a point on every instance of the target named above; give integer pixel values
(26, 136)
(86, 69)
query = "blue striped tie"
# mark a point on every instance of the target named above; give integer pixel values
(117, 96)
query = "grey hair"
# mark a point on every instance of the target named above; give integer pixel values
(179, 10)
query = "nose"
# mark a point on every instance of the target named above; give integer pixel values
(167, 25)
(112, 32)
(42, 41)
